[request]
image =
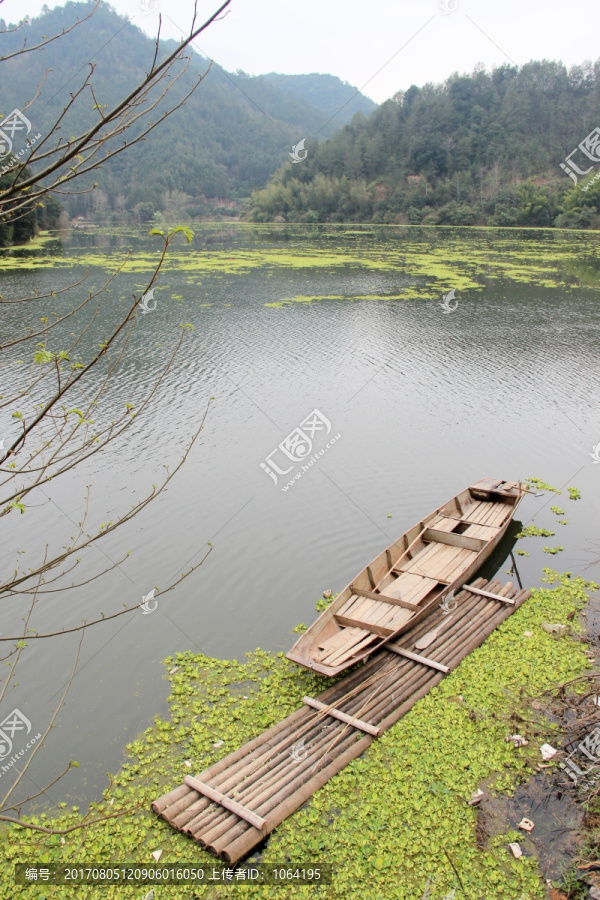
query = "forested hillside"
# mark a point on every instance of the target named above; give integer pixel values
(219, 145)
(326, 92)
(480, 148)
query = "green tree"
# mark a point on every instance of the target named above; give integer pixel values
(534, 203)
(580, 207)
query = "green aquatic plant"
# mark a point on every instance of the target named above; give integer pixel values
(574, 493)
(553, 550)
(557, 510)
(422, 262)
(323, 602)
(386, 823)
(535, 531)
(541, 485)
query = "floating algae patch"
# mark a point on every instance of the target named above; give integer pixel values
(430, 259)
(386, 823)
(409, 294)
(301, 298)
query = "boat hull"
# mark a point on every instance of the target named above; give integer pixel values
(402, 585)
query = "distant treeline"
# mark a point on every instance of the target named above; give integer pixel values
(483, 148)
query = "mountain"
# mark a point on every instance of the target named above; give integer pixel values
(228, 138)
(326, 92)
(483, 148)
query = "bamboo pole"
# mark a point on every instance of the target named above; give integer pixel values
(261, 792)
(158, 806)
(262, 787)
(284, 742)
(238, 828)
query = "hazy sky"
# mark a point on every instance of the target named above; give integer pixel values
(355, 39)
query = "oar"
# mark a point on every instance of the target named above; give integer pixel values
(430, 637)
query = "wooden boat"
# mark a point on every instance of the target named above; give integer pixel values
(404, 582)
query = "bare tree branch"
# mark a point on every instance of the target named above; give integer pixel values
(65, 407)
(25, 49)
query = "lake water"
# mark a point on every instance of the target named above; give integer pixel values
(419, 402)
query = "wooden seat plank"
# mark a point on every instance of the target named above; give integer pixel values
(444, 523)
(422, 564)
(391, 613)
(438, 566)
(410, 565)
(470, 511)
(350, 602)
(412, 586)
(350, 636)
(366, 626)
(378, 613)
(421, 589)
(487, 514)
(387, 598)
(478, 515)
(458, 565)
(343, 655)
(387, 615)
(335, 640)
(398, 618)
(404, 585)
(485, 532)
(439, 557)
(453, 540)
(353, 646)
(447, 562)
(499, 515)
(361, 607)
(321, 655)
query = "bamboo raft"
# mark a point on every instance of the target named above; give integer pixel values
(230, 807)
